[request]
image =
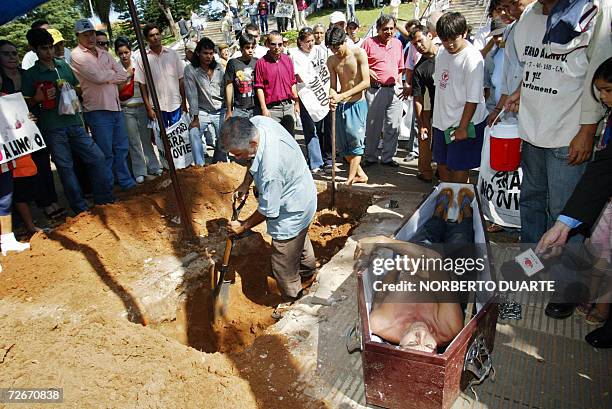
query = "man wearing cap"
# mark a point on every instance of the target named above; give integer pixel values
(385, 58)
(338, 19)
(167, 71)
(63, 134)
(58, 45)
(99, 74)
(275, 84)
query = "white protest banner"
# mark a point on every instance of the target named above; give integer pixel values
(283, 10)
(407, 120)
(19, 135)
(314, 90)
(180, 146)
(499, 191)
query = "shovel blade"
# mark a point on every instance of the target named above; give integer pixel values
(221, 301)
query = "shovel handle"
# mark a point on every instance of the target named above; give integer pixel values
(333, 140)
(228, 251)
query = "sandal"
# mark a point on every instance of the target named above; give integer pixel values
(444, 199)
(464, 199)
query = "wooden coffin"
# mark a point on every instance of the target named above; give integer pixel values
(397, 378)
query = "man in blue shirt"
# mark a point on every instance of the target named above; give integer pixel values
(286, 194)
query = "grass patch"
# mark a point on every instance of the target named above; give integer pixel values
(366, 17)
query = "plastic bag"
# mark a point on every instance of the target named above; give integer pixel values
(69, 103)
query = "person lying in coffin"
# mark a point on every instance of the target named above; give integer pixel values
(417, 321)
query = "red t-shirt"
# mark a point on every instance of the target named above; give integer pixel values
(386, 60)
(275, 78)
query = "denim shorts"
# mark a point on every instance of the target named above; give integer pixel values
(458, 155)
(350, 127)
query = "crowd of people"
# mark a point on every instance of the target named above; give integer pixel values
(555, 75)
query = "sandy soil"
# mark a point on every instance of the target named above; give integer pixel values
(75, 312)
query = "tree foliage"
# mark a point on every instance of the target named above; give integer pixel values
(61, 14)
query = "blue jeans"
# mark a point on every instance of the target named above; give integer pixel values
(311, 139)
(253, 18)
(62, 142)
(263, 23)
(438, 231)
(243, 113)
(548, 182)
(110, 133)
(198, 147)
(323, 128)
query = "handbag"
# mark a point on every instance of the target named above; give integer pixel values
(127, 91)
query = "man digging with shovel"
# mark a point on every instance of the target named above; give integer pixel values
(286, 194)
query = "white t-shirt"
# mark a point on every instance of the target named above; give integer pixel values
(309, 65)
(549, 113)
(458, 79)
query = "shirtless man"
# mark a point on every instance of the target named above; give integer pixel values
(350, 66)
(396, 316)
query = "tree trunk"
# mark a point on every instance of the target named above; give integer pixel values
(298, 22)
(168, 14)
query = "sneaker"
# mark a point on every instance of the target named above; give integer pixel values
(158, 172)
(9, 243)
(316, 171)
(140, 179)
(410, 157)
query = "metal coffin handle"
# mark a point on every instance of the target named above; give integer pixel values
(478, 361)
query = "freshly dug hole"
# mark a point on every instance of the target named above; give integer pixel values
(126, 260)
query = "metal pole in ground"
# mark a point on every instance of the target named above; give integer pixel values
(333, 141)
(186, 221)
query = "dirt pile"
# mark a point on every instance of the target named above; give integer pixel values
(72, 307)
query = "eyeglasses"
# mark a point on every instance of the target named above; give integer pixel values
(103, 43)
(9, 53)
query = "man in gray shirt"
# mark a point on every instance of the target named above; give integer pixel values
(205, 89)
(287, 196)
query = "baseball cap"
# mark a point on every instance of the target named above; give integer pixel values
(337, 17)
(353, 23)
(191, 46)
(57, 36)
(83, 25)
(497, 27)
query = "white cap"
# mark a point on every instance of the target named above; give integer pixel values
(191, 46)
(337, 17)
(83, 25)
